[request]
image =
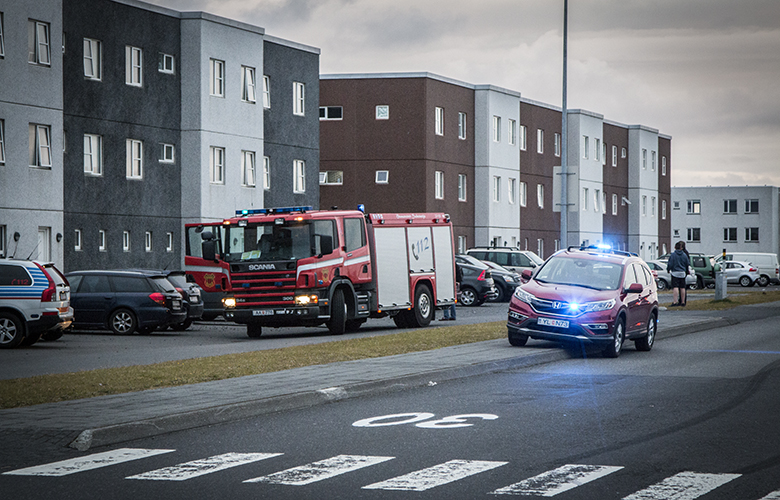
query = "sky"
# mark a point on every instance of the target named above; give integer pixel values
(705, 72)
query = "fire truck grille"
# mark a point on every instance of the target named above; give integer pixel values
(264, 288)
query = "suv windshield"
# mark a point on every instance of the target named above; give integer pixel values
(273, 242)
(588, 273)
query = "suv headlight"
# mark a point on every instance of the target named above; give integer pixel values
(523, 296)
(602, 305)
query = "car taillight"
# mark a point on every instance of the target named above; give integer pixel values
(50, 294)
(158, 297)
(481, 276)
(753, 269)
(180, 290)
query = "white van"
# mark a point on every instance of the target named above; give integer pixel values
(767, 264)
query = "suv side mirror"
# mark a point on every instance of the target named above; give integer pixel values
(635, 288)
(527, 273)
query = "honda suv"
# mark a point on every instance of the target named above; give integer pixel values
(34, 302)
(587, 295)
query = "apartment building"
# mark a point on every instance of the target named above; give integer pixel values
(735, 218)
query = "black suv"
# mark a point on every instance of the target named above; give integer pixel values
(124, 301)
(191, 298)
(477, 285)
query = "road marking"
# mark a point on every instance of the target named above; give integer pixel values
(556, 481)
(318, 471)
(204, 466)
(89, 462)
(437, 475)
(775, 495)
(683, 486)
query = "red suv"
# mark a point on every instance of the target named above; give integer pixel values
(590, 295)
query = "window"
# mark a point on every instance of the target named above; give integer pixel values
(44, 243)
(539, 141)
(2, 142)
(92, 59)
(169, 242)
(730, 234)
(729, 206)
(299, 98)
(331, 112)
(496, 188)
(39, 43)
(694, 207)
(523, 137)
(644, 205)
(663, 165)
(596, 200)
(540, 247)
(148, 241)
(439, 185)
(133, 66)
(557, 144)
(540, 195)
(751, 234)
(614, 156)
(93, 154)
(3, 231)
(676, 205)
(614, 204)
(512, 185)
(603, 202)
(167, 153)
(461, 187)
(299, 176)
(332, 177)
(512, 132)
(676, 233)
(663, 209)
(217, 83)
(694, 234)
(461, 125)
(101, 240)
(751, 206)
(523, 194)
(248, 84)
(40, 145)
(622, 152)
(126, 241)
(382, 112)
(462, 244)
(354, 234)
(166, 64)
(597, 149)
(266, 172)
(134, 168)
(439, 121)
(266, 91)
(77, 240)
(644, 159)
(248, 168)
(496, 129)
(585, 197)
(217, 160)
(652, 161)
(603, 153)
(652, 206)
(585, 146)
(2, 42)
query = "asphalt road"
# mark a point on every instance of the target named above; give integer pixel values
(697, 414)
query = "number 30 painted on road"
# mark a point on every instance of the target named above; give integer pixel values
(419, 419)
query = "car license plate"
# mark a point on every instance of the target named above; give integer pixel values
(193, 299)
(558, 323)
(176, 304)
(263, 312)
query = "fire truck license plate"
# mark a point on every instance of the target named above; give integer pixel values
(263, 312)
(559, 323)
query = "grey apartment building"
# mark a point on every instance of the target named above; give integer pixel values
(120, 121)
(490, 157)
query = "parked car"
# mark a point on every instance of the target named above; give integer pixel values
(125, 302)
(743, 273)
(34, 302)
(587, 295)
(191, 298)
(477, 285)
(662, 277)
(511, 258)
(767, 264)
(505, 280)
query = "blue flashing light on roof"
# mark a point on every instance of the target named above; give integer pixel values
(604, 246)
(266, 211)
(361, 207)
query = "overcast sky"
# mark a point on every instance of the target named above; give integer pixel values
(706, 72)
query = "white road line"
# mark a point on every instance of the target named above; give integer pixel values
(556, 481)
(317, 471)
(437, 475)
(89, 462)
(775, 495)
(204, 466)
(683, 486)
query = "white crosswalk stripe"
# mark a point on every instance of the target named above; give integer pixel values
(318, 471)
(89, 462)
(556, 481)
(437, 475)
(683, 486)
(204, 466)
(775, 495)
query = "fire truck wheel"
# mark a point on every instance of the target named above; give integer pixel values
(253, 331)
(338, 314)
(423, 306)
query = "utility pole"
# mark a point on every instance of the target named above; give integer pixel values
(564, 168)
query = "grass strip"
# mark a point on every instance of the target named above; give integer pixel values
(733, 299)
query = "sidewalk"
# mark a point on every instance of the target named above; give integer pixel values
(112, 419)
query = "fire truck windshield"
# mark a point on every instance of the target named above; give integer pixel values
(274, 242)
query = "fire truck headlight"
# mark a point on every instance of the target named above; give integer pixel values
(229, 302)
(305, 300)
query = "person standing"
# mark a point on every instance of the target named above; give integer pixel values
(677, 266)
(449, 313)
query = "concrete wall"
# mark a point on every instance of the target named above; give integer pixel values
(586, 222)
(642, 184)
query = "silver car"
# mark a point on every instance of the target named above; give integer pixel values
(743, 273)
(662, 277)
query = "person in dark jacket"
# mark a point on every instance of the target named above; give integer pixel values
(677, 266)
(449, 313)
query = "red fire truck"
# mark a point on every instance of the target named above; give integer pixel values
(295, 266)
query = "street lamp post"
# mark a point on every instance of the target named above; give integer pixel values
(564, 168)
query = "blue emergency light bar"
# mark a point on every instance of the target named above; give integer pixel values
(265, 211)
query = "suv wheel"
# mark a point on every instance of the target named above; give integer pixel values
(646, 343)
(11, 330)
(662, 284)
(122, 322)
(468, 296)
(502, 295)
(614, 347)
(517, 339)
